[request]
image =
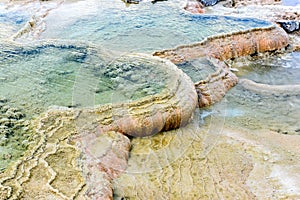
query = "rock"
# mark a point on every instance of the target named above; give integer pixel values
(209, 2)
(105, 159)
(194, 7)
(290, 26)
(214, 88)
(3, 100)
(155, 1)
(14, 115)
(165, 109)
(221, 48)
(230, 46)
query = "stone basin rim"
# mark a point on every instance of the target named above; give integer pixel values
(168, 109)
(216, 36)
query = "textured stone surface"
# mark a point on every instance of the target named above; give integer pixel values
(67, 162)
(59, 167)
(167, 110)
(14, 133)
(104, 159)
(215, 86)
(219, 162)
(225, 47)
(229, 46)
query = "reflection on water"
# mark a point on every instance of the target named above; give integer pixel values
(283, 70)
(274, 111)
(290, 2)
(35, 78)
(143, 27)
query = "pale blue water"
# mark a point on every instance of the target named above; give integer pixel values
(283, 70)
(143, 27)
(257, 111)
(290, 2)
(16, 17)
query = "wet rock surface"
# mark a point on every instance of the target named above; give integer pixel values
(15, 135)
(217, 163)
(214, 87)
(222, 48)
(57, 166)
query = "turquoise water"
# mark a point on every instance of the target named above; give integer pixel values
(254, 110)
(290, 2)
(35, 78)
(11, 21)
(283, 70)
(15, 18)
(144, 27)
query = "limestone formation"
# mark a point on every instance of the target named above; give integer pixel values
(230, 46)
(169, 109)
(58, 167)
(79, 153)
(14, 133)
(221, 48)
(215, 86)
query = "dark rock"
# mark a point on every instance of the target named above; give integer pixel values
(3, 100)
(209, 2)
(155, 1)
(290, 26)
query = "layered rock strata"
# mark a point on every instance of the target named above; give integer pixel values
(215, 86)
(230, 46)
(222, 48)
